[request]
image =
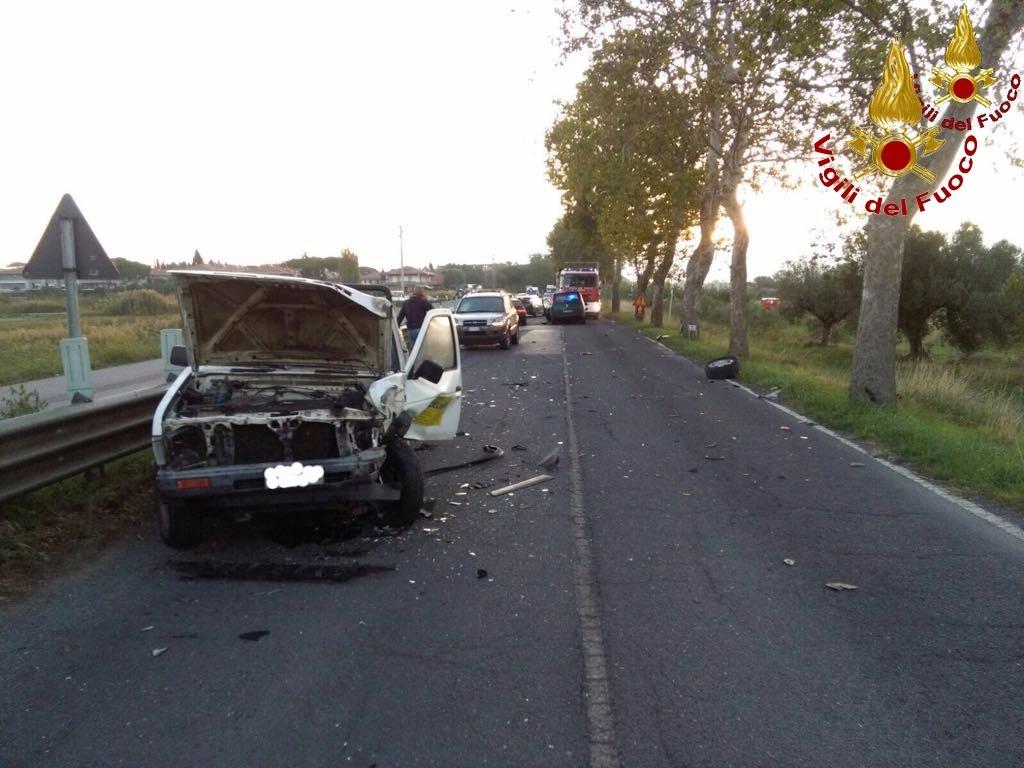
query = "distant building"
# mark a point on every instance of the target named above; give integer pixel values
(12, 281)
(413, 276)
(369, 275)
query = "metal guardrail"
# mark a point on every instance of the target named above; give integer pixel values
(41, 448)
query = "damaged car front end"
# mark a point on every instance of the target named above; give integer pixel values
(298, 394)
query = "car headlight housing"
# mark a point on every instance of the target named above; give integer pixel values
(497, 321)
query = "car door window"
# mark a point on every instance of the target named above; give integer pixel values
(438, 344)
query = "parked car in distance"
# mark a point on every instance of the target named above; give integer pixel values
(297, 394)
(487, 317)
(533, 303)
(567, 306)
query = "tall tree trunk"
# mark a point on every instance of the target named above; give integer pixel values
(699, 264)
(643, 277)
(873, 378)
(738, 277)
(616, 284)
(658, 300)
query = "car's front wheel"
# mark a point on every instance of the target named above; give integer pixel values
(180, 525)
(506, 340)
(401, 466)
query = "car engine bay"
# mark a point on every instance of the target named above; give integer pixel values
(227, 419)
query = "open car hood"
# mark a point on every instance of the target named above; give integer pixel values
(238, 317)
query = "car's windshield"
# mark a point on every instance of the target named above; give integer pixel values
(480, 304)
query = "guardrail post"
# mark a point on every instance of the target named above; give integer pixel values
(74, 356)
(170, 338)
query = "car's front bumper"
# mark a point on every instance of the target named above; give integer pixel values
(480, 334)
(351, 478)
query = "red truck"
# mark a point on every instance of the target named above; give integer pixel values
(583, 277)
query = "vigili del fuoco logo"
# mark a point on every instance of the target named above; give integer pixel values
(895, 146)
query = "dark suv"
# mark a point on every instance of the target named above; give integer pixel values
(487, 318)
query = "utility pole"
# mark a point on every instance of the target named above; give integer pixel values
(401, 260)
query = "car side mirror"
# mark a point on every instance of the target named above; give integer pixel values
(429, 370)
(179, 356)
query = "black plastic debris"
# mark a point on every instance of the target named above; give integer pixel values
(481, 573)
(255, 635)
(491, 452)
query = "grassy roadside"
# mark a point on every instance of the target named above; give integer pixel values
(50, 530)
(30, 345)
(934, 429)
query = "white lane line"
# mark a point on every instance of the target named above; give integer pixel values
(967, 506)
(596, 688)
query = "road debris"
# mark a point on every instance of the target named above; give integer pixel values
(773, 395)
(147, 629)
(481, 573)
(661, 337)
(255, 635)
(426, 514)
(518, 447)
(839, 586)
(491, 452)
(522, 484)
(550, 461)
(789, 561)
(159, 651)
(784, 428)
(857, 464)
(455, 503)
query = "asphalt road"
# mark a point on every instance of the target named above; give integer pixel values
(717, 653)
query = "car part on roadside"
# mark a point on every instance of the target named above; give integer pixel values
(727, 367)
(491, 452)
(521, 484)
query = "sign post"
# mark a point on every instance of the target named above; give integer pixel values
(69, 250)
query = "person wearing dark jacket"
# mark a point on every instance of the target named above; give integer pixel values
(413, 311)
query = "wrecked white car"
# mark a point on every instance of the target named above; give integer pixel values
(298, 393)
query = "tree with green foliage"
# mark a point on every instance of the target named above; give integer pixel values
(622, 152)
(979, 311)
(927, 283)
(826, 288)
(197, 260)
(925, 32)
(131, 270)
(348, 268)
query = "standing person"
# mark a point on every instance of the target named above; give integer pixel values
(413, 310)
(639, 306)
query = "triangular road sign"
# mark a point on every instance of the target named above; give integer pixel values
(92, 261)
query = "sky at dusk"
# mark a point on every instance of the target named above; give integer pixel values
(258, 131)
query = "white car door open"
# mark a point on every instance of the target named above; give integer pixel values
(434, 406)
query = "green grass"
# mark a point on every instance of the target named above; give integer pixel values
(29, 346)
(952, 422)
(47, 531)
